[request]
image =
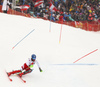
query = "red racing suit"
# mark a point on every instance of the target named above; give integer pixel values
(29, 64)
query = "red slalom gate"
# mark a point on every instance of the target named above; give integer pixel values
(85, 56)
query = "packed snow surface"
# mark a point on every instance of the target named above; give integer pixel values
(55, 57)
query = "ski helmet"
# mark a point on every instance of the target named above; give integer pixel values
(33, 57)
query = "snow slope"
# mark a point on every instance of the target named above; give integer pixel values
(56, 59)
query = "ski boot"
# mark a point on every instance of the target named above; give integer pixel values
(20, 74)
(9, 73)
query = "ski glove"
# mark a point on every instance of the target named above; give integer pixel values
(40, 69)
(31, 66)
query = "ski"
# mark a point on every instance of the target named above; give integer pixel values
(16, 75)
(8, 76)
(21, 79)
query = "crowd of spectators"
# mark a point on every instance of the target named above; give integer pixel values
(69, 10)
(1, 2)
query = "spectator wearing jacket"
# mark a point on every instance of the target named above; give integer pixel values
(6, 5)
(76, 16)
(90, 17)
(1, 2)
(98, 20)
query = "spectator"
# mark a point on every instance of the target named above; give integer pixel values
(94, 16)
(76, 16)
(6, 5)
(90, 17)
(70, 18)
(98, 20)
(1, 2)
(53, 17)
(56, 3)
(57, 16)
(85, 16)
(61, 17)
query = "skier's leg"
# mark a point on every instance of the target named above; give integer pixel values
(28, 71)
(25, 72)
(14, 72)
(18, 71)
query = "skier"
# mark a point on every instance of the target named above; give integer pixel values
(26, 68)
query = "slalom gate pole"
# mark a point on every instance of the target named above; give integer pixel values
(50, 27)
(60, 31)
(85, 56)
(50, 22)
(23, 38)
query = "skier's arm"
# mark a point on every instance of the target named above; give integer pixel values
(38, 66)
(29, 63)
